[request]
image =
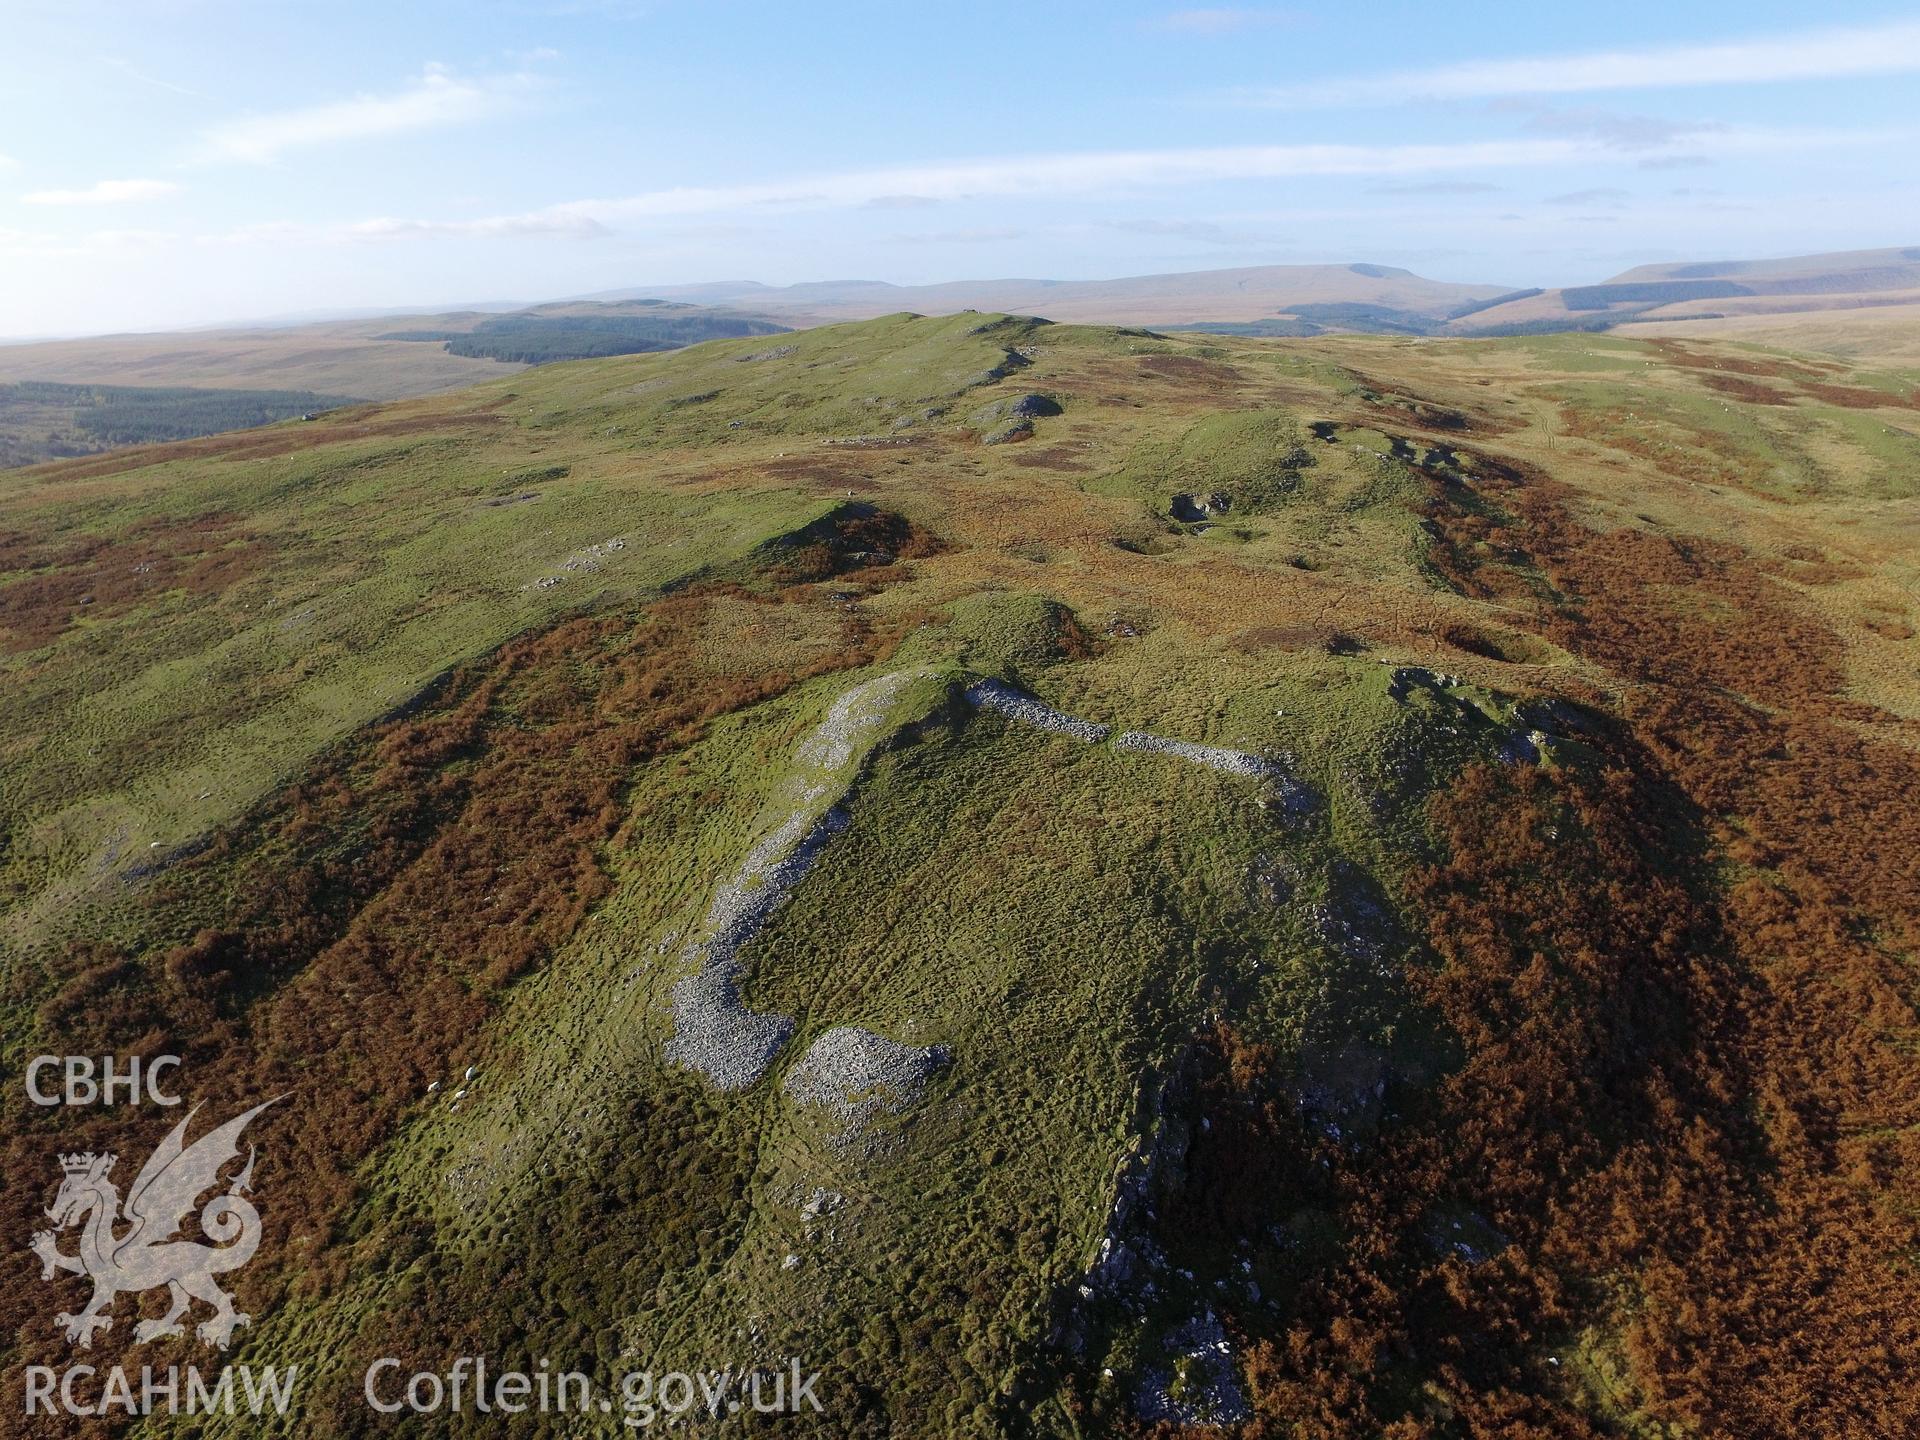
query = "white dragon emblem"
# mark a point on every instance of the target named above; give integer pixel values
(149, 1253)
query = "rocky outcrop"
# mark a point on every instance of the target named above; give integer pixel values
(1196, 1383)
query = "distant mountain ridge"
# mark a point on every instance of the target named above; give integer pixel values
(1871, 269)
(407, 352)
(1699, 290)
(1182, 297)
(1301, 300)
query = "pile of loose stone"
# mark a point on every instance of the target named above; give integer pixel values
(857, 1074)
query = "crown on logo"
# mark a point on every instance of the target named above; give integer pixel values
(77, 1164)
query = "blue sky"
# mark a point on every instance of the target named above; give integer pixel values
(172, 162)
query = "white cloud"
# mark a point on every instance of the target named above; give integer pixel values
(105, 192)
(438, 98)
(126, 67)
(1398, 168)
(1891, 49)
(1046, 176)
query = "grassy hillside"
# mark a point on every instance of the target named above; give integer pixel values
(74, 397)
(1074, 880)
(1868, 332)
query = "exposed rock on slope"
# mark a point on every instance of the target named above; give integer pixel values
(1023, 709)
(857, 1074)
(714, 1032)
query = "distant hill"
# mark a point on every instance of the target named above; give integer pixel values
(1868, 298)
(1306, 300)
(398, 354)
(1844, 270)
(1704, 290)
(1869, 329)
(1256, 293)
(76, 397)
(382, 357)
(547, 333)
(336, 356)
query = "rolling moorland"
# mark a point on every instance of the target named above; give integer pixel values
(1079, 881)
(192, 382)
(125, 389)
(61, 399)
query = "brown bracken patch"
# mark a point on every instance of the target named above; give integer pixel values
(1773, 1253)
(1054, 459)
(281, 439)
(96, 577)
(1190, 368)
(1854, 397)
(809, 470)
(1750, 391)
(1805, 374)
(1675, 353)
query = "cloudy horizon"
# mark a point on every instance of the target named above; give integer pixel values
(182, 163)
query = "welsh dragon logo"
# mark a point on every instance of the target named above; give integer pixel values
(149, 1253)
